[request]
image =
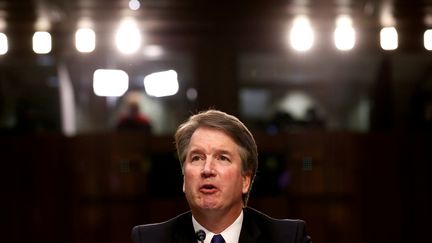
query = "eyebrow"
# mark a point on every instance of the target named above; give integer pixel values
(194, 150)
(218, 151)
(224, 151)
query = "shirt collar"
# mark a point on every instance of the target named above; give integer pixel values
(231, 234)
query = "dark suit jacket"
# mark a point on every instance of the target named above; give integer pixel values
(256, 227)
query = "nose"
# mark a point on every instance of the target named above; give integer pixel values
(208, 169)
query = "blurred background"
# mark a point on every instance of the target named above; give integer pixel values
(338, 94)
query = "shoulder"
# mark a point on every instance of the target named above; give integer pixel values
(292, 230)
(260, 216)
(160, 232)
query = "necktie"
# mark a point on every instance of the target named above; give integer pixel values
(217, 239)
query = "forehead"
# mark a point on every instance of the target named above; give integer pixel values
(211, 138)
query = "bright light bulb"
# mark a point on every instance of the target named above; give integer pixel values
(344, 35)
(110, 82)
(301, 34)
(427, 39)
(161, 84)
(41, 42)
(134, 4)
(85, 40)
(128, 37)
(389, 38)
(3, 44)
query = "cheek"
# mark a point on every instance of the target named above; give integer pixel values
(234, 179)
(188, 179)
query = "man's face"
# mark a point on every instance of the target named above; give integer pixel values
(212, 172)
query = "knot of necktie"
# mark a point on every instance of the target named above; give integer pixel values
(217, 239)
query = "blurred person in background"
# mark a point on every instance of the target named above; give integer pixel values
(134, 120)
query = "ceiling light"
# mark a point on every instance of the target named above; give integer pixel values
(427, 39)
(389, 38)
(161, 84)
(110, 82)
(344, 35)
(153, 51)
(301, 34)
(85, 40)
(3, 44)
(128, 37)
(42, 42)
(134, 4)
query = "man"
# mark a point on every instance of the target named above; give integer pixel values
(219, 159)
(134, 120)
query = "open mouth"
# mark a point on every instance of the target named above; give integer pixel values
(208, 188)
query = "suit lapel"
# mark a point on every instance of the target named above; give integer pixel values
(183, 231)
(250, 232)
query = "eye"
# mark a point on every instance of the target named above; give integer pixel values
(223, 158)
(195, 158)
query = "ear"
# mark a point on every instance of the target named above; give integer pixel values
(246, 182)
(183, 184)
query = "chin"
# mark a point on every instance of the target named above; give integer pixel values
(209, 205)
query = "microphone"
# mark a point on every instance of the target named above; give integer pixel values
(200, 235)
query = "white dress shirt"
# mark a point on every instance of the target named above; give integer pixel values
(230, 234)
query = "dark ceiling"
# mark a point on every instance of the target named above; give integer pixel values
(178, 23)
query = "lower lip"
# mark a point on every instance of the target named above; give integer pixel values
(208, 191)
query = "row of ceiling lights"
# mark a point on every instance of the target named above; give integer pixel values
(128, 37)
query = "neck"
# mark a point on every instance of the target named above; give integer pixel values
(216, 221)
